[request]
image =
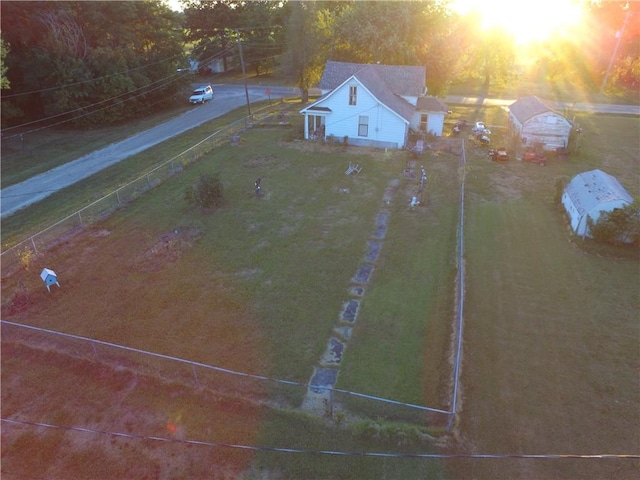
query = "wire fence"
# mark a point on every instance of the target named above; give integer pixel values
(180, 370)
(247, 386)
(12, 258)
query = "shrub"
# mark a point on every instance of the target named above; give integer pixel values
(619, 226)
(207, 193)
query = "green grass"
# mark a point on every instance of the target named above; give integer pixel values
(550, 350)
(59, 205)
(551, 327)
(42, 150)
(259, 291)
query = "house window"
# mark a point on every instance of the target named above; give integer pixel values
(353, 94)
(363, 126)
(423, 122)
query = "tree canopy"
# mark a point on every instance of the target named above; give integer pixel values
(94, 61)
(105, 61)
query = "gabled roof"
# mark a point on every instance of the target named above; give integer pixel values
(589, 189)
(431, 104)
(400, 79)
(371, 79)
(527, 107)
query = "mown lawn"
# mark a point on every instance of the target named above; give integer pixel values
(254, 286)
(550, 348)
(551, 323)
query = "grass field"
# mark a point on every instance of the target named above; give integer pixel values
(551, 333)
(551, 323)
(255, 286)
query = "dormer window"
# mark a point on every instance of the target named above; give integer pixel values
(353, 94)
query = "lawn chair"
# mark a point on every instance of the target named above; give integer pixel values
(352, 168)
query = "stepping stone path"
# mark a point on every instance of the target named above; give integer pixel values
(325, 374)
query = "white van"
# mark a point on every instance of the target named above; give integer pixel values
(202, 94)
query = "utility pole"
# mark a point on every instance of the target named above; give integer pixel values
(620, 34)
(244, 76)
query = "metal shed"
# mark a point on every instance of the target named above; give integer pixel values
(589, 194)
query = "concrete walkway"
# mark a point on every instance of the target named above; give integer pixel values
(319, 396)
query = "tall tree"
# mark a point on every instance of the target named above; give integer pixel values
(263, 34)
(90, 61)
(309, 31)
(211, 27)
(400, 33)
(4, 49)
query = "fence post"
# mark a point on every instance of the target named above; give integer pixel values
(118, 196)
(148, 181)
(95, 350)
(80, 217)
(35, 250)
(195, 374)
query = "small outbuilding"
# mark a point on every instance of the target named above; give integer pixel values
(589, 194)
(429, 115)
(49, 278)
(535, 124)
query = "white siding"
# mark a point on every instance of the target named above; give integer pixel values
(550, 129)
(384, 125)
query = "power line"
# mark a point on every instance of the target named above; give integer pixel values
(166, 80)
(91, 79)
(258, 448)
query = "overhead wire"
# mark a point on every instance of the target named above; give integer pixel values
(131, 96)
(67, 85)
(261, 448)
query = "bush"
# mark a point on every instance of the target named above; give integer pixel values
(620, 226)
(207, 193)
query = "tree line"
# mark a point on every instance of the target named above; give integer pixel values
(93, 63)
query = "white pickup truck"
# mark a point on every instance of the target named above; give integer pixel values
(202, 94)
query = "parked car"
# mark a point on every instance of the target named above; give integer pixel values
(202, 94)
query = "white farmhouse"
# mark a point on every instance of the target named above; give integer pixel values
(372, 105)
(589, 194)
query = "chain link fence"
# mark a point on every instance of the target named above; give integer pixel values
(14, 257)
(246, 386)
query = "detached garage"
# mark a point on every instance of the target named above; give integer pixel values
(535, 124)
(589, 194)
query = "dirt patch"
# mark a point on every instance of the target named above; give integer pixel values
(103, 399)
(261, 161)
(167, 249)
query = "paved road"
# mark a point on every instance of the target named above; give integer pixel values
(560, 106)
(227, 98)
(33, 190)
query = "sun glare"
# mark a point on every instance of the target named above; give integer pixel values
(526, 21)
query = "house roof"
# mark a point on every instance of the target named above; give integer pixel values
(588, 190)
(527, 107)
(431, 104)
(400, 79)
(371, 79)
